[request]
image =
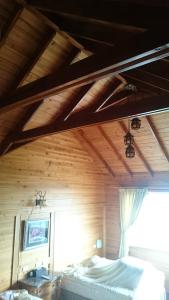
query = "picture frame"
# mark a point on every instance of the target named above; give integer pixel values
(36, 233)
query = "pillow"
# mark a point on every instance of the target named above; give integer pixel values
(92, 261)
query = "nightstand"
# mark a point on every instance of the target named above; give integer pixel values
(47, 289)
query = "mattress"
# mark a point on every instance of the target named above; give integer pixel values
(77, 280)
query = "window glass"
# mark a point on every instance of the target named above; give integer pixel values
(151, 229)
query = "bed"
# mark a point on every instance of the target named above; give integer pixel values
(17, 295)
(103, 279)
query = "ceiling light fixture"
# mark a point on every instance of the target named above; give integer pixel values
(135, 124)
(130, 152)
(129, 138)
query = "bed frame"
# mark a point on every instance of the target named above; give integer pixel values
(66, 295)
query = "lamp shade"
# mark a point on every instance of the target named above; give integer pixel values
(130, 152)
(135, 123)
(128, 139)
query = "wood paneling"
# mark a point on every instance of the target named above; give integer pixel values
(112, 223)
(75, 192)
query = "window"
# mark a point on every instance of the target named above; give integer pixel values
(151, 227)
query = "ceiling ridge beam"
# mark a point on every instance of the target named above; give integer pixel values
(6, 29)
(157, 137)
(142, 49)
(143, 159)
(97, 153)
(143, 107)
(113, 147)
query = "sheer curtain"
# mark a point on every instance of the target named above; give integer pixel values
(130, 204)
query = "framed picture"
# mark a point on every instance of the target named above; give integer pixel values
(36, 233)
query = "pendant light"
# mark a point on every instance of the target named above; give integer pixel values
(130, 152)
(135, 124)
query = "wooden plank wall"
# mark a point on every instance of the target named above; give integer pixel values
(112, 222)
(75, 196)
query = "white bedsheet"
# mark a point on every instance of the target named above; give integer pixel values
(98, 282)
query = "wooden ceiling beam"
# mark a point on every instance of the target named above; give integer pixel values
(157, 137)
(143, 107)
(7, 143)
(83, 138)
(140, 154)
(148, 80)
(104, 32)
(145, 48)
(117, 98)
(115, 150)
(124, 12)
(8, 26)
(75, 99)
(102, 97)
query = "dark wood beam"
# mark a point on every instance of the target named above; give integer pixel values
(140, 154)
(157, 137)
(115, 150)
(97, 153)
(6, 29)
(105, 32)
(93, 45)
(147, 80)
(6, 144)
(116, 98)
(145, 48)
(143, 107)
(124, 12)
(103, 97)
(72, 103)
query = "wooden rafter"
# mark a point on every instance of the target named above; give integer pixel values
(72, 103)
(145, 106)
(103, 97)
(94, 30)
(145, 48)
(143, 159)
(147, 80)
(115, 150)
(157, 137)
(116, 98)
(126, 12)
(6, 144)
(8, 26)
(97, 154)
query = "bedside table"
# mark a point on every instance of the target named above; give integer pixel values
(47, 289)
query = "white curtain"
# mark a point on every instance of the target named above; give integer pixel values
(130, 204)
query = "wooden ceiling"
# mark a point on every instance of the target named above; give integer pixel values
(67, 67)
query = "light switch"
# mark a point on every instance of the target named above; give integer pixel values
(99, 244)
